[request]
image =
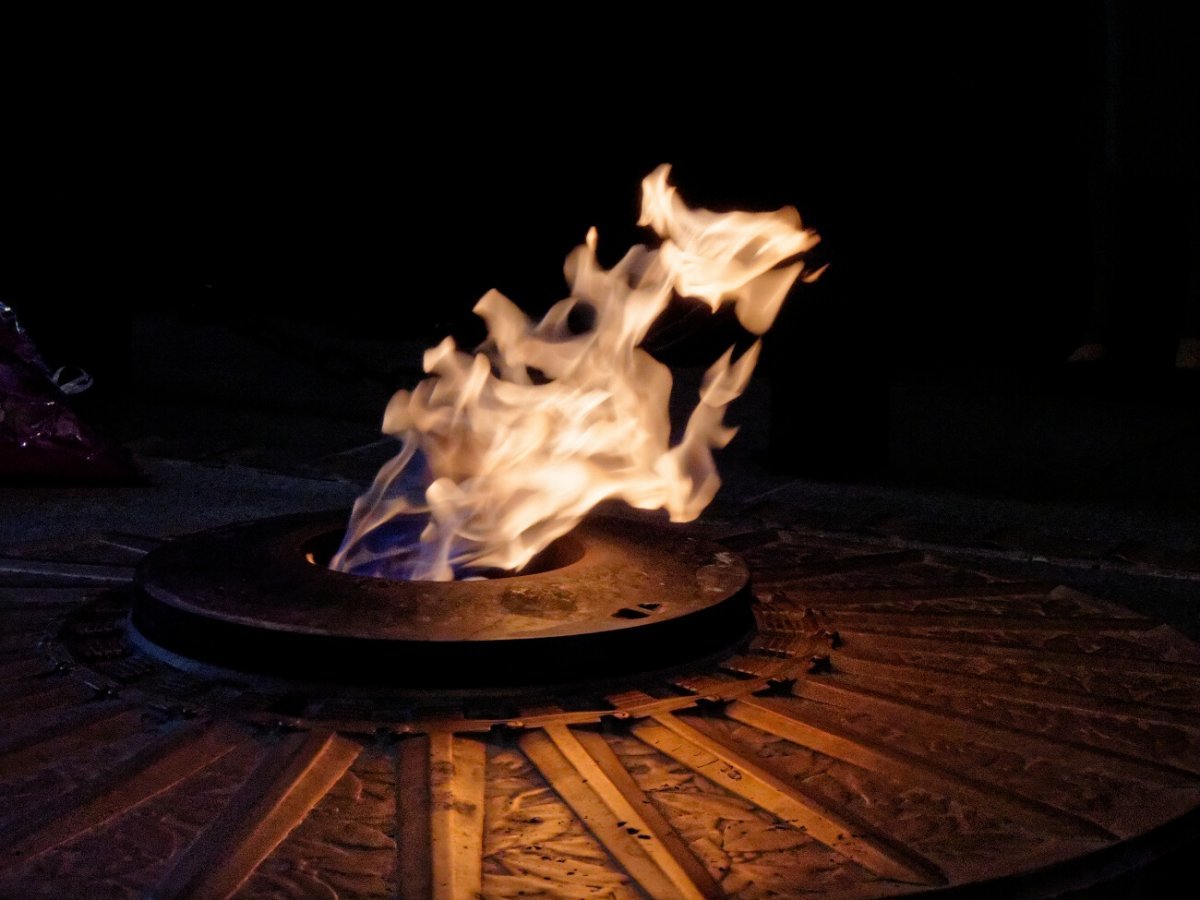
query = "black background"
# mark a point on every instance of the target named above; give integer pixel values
(380, 176)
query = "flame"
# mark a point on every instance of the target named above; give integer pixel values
(521, 438)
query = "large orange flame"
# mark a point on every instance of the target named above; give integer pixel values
(524, 436)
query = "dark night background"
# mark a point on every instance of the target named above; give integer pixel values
(378, 188)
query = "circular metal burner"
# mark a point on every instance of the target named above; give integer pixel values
(613, 598)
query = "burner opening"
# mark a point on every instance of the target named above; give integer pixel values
(565, 551)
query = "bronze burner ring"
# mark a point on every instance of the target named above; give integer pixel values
(613, 599)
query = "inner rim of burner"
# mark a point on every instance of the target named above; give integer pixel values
(615, 598)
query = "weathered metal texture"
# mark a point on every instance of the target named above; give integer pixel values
(899, 723)
(723, 763)
(414, 812)
(456, 787)
(622, 595)
(278, 795)
(347, 843)
(617, 814)
(118, 789)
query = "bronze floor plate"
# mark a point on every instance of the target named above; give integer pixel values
(900, 723)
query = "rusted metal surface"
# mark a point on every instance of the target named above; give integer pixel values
(900, 721)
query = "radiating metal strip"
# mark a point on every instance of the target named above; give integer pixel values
(136, 543)
(834, 596)
(275, 798)
(95, 573)
(865, 622)
(45, 598)
(41, 694)
(773, 717)
(591, 780)
(816, 568)
(598, 748)
(16, 670)
(413, 813)
(107, 732)
(759, 666)
(780, 645)
(457, 770)
(949, 679)
(114, 791)
(727, 767)
(844, 694)
(45, 725)
(704, 684)
(864, 644)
